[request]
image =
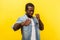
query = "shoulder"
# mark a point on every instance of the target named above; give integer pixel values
(24, 17)
(35, 19)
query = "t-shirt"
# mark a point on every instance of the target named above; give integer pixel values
(33, 35)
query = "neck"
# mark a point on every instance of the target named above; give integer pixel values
(29, 16)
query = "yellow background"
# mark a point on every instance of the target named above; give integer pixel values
(49, 11)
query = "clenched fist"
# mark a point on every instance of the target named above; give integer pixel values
(27, 22)
(37, 16)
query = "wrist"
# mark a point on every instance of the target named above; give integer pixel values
(38, 19)
(22, 24)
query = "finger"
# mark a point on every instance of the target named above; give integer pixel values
(37, 14)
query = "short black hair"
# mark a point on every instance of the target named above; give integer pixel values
(28, 4)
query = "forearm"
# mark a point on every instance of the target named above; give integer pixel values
(16, 26)
(41, 26)
(19, 25)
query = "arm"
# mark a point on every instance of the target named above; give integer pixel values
(41, 26)
(19, 25)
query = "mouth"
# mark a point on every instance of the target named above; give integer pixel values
(31, 14)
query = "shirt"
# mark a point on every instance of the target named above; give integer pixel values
(27, 30)
(33, 35)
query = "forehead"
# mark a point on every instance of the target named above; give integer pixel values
(30, 8)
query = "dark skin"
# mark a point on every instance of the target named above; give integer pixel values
(41, 26)
(29, 13)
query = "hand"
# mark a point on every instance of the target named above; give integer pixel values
(37, 16)
(27, 22)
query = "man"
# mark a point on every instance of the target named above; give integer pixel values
(29, 25)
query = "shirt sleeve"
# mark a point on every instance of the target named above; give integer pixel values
(19, 20)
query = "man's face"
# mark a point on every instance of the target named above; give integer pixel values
(30, 10)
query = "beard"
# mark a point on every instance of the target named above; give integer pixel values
(29, 15)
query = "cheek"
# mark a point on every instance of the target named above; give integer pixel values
(28, 12)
